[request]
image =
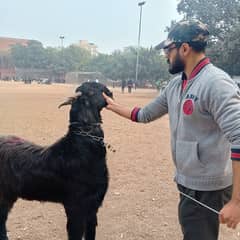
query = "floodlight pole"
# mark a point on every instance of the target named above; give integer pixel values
(62, 38)
(62, 74)
(140, 4)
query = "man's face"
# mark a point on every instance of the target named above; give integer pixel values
(176, 64)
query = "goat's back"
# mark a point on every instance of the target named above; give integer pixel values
(51, 173)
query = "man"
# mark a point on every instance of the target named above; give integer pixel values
(123, 85)
(204, 113)
(130, 85)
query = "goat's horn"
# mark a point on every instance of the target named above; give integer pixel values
(70, 100)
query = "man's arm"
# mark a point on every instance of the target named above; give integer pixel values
(236, 181)
(224, 105)
(230, 213)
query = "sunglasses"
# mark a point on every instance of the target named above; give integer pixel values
(168, 49)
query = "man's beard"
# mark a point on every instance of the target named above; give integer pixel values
(177, 65)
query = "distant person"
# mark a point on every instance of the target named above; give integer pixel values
(123, 85)
(203, 105)
(130, 85)
(134, 85)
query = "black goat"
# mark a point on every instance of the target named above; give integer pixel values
(72, 171)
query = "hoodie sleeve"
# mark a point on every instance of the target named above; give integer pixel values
(155, 109)
(224, 105)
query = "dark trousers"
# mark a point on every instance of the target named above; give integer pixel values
(197, 222)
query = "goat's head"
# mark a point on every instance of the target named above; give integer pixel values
(87, 103)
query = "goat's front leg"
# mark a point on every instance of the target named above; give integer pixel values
(4, 209)
(90, 230)
(76, 223)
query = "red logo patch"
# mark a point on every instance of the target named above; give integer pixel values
(188, 107)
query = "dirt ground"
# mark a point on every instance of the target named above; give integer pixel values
(141, 202)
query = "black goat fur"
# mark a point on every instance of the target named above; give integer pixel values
(72, 171)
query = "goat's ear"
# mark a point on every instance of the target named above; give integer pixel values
(70, 100)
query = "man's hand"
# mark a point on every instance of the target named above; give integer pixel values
(110, 101)
(230, 214)
(117, 108)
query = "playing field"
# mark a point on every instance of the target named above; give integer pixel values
(141, 202)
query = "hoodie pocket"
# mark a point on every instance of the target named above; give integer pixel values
(187, 158)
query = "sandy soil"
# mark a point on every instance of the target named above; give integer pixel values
(141, 202)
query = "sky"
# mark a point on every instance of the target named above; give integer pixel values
(110, 24)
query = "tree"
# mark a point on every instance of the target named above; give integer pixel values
(75, 58)
(35, 56)
(122, 65)
(222, 18)
(117, 66)
(219, 15)
(231, 51)
(30, 56)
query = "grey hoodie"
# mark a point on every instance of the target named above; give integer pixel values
(205, 125)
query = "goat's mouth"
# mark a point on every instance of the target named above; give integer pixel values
(109, 94)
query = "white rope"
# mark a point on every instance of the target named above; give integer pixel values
(202, 204)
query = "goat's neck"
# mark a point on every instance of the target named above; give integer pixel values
(93, 129)
(83, 133)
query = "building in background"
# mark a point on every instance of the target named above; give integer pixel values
(7, 68)
(8, 71)
(7, 43)
(91, 47)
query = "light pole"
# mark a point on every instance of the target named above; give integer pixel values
(140, 4)
(62, 74)
(62, 38)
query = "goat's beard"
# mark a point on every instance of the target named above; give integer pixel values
(177, 65)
